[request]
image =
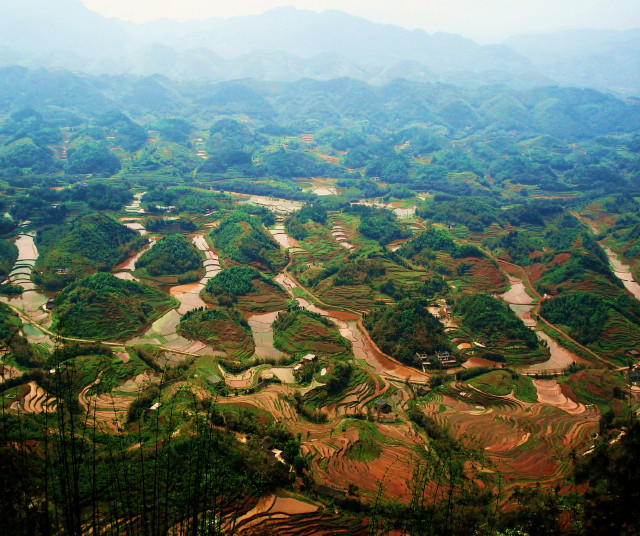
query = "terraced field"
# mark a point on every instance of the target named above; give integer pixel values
(31, 398)
(525, 441)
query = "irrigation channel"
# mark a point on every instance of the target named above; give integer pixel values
(523, 304)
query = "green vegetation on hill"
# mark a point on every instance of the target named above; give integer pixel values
(25, 156)
(46, 205)
(517, 244)
(295, 224)
(246, 287)
(503, 382)
(222, 329)
(475, 213)
(185, 200)
(300, 331)
(580, 267)
(234, 281)
(243, 239)
(101, 306)
(492, 319)
(406, 328)
(9, 324)
(379, 224)
(127, 134)
(20, 352)
(587, 314)
(515, 171)
(8, 256)
(7, 225)
(84, 244)
(286, 163)
(92, 158)
(171, 255)
(436, 240)
(173, 129)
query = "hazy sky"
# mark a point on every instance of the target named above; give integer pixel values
(483, 20)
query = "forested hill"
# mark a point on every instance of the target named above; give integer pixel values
(296, 107)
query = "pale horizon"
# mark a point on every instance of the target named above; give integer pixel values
(486, 21)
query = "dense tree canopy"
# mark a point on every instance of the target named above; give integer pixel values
(406, 328)
(92, 158)
(172, 255)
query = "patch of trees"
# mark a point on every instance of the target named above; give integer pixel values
(358, 157)
(9, 324)
(8, 257)
(172, 255)
(575, 270)
(379, 224)
(339, 377)
(298, 330)
(521, 170)
(234, 281)
(597, 176)
(287, 164)
(49, 205)
(433, 286)
(92, 157)
(422, 141)
(436, 178)
(518, 245)
(314, 415)
(224, 329)
(37, 206)
(286, 319)
(436, 240)
(98, 195)
(278, 190)
(101, 306)
(173, 129)
(458, 161)
(166, 225)
(207, 470)
(406, 328)
(84, 243)
(611, 499)
(29, 123)
(586, 314)
(128, 134)
(188, 200)
(25, 155)
(531, 214)
(243, 238)
(493, 319)
(295, 223)
(7, 225)
(362, 188)
(351, 272)
(472, 212)
(393, 167)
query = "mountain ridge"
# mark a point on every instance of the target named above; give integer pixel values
(287, 43)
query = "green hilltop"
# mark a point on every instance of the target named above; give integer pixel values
(101, 306)
(84, 244)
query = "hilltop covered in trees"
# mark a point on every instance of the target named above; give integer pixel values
(101, 306)
(92, 242)
(404, 329)
(171, 255)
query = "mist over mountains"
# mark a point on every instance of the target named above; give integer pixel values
(288, 44)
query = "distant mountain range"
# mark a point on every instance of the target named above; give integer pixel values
(287, 44)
